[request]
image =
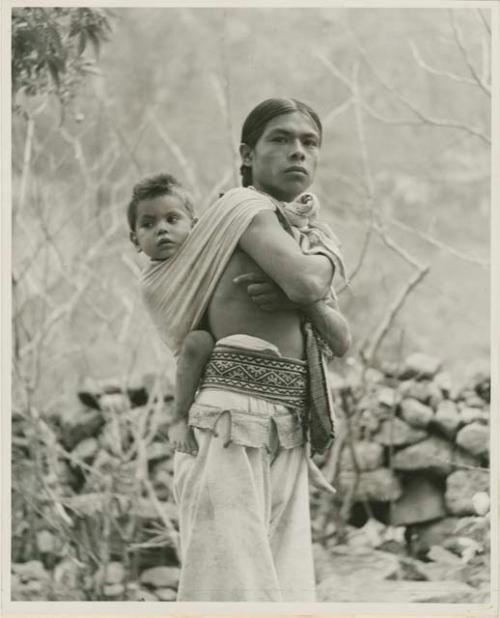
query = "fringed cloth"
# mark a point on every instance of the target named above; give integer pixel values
(264, 394)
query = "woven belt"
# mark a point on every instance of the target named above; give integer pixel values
(276, 379)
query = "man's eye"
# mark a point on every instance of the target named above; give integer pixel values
(147, 224)
(172, 219)
(279, 139)
(310, 143)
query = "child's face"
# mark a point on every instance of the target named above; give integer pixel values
(162, 225)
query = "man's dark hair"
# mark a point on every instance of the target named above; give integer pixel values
(257, 119)
(155, 186)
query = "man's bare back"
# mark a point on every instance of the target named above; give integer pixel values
(231, 311)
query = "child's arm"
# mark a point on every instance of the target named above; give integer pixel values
(194, 355)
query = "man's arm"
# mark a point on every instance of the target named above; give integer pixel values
(330, 324)
(305, 279)
(324, 314)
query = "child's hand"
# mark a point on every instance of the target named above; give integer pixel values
(181, 436)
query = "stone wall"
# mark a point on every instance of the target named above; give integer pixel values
(417, 441)
(93, 512)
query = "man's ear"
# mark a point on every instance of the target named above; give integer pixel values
(134, 241)
(246, 154)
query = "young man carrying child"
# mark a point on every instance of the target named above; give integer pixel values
(161, 216)
(243, 500)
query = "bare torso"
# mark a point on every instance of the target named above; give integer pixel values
(231, 312)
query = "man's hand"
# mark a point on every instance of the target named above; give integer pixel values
(181, 436)
(264, 292)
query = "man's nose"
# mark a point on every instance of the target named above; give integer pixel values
(297, 151)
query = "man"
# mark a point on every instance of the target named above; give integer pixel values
(243, 500)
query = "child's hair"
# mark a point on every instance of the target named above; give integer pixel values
(155, 186)
(256, 121)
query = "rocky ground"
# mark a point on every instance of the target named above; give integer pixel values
(94, 519)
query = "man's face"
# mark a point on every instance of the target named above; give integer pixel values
(162, 225)
(285, 157)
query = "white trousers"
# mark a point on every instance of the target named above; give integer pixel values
(244, 522)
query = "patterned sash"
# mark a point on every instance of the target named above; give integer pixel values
(276, 379)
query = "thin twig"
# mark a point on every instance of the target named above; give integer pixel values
(438, 243)
(437, 122)
(337, 111)
(361, 258)
(465, 54)
(28, 147)
(371, 349)
(396, 248)
(178, 154)
(438, 72)
(484, 21)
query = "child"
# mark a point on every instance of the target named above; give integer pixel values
(158, 227)
(160, 217)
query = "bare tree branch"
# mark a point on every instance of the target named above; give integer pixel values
(437, 122)
(369, 351)
(438, 72)
(28, 147)
(213, 193)
(438, 243)
(361, 258)
(337, 111)
(391, 244)
(483, 20)
(178, 154)
(222, 87)
(465, 54)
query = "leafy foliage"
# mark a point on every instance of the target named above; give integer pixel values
(48, 46)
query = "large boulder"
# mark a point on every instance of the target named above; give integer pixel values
(166, 594)
(444, 382)
(416, 413)
(473, 415)
(424, 391)
(114, 573)
(76, 428)
(388, 397)
(85, 450)
(475, 438)
(396, 432)
(420, 366)
(369, 456)
(435, 455)
(447, 418)
(471, 398)
(461, 486)
(380, 485)
(161, 577)
(434, 533)
(422, 500)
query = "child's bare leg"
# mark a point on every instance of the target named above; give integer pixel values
(195, 353)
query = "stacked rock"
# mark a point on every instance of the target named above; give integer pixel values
(108, 461)
(419, 442)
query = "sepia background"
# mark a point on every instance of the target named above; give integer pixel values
(100, 99)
